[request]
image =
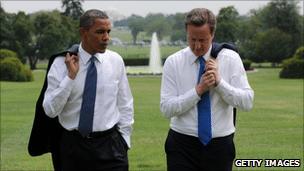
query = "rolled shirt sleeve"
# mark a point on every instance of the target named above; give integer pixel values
(58, 90)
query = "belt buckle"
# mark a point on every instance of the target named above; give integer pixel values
(88, 137)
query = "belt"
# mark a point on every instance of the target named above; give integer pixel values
(214, 140)
(96, 134)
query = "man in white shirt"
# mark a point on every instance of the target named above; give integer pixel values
(225, 82)
(105, 140)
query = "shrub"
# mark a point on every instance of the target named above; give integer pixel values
(294, 67)
(11, 69)
(299, 53)
(28, 74)
(5, 53)
(247, 64)
(136, 61)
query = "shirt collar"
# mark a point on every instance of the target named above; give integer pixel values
(85, 56)
(194, 58)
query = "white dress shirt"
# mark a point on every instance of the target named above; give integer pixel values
(114, 101)
(179, 98)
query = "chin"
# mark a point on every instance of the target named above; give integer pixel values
(199, 54)
(102, 50)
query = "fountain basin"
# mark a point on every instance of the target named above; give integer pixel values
(142, 70)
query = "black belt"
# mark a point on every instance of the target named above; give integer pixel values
(96, 134)
(214, 140)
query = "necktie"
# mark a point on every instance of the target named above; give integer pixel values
(88, 100)
(204, 111)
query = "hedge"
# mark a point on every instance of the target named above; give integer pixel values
(11, 69)
(247, 64)
(292, 68)
(5, 53)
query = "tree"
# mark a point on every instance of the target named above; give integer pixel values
(136, 25)
(249, 27)
(23, 32)
(72, 8)
(284, 15)
(52, 33)
(39, 35)
(178, 27)
(227, 25)
(273, 45)
(277, 15)
(6, 30)
(157, 23)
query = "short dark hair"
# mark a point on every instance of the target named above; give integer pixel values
(88, 18)
(199, 17)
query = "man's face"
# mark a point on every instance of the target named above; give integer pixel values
(199, 38)
(96, 38)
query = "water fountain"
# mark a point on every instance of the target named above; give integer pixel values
(155, 63)
(155, 66)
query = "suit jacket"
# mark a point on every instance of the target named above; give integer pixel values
(216, 48)
(46, 132)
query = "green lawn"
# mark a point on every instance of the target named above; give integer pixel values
(136, 52)
(273, 129)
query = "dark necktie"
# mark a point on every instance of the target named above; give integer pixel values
(88, 100)
(204, 111)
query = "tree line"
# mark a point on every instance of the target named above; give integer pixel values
(40, 34)
(269, 34)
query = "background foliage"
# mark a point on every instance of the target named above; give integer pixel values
(269, 34)
(294, 67)
(12, 69)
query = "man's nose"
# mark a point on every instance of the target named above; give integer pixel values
(197, 45)
(106, 36)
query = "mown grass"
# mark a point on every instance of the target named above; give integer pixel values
(273, 129)
(136, 52)
(131, 52)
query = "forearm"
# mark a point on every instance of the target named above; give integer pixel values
(125, 128)
(176, 105)
(126, 121)
(126, 109)
(56, 96)
(241, 97)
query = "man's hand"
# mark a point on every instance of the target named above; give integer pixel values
(210, 78)
(206, 82)
(72, 63)
(212, 68)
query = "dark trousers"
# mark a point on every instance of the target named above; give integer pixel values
(56, 159)
(187, 153)
(105, 152)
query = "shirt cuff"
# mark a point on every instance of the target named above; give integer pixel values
(127, 139)
(192, 94)
(222, 87)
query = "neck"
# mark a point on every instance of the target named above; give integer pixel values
(87, 49)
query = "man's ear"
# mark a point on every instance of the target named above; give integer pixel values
(212, 36)
(82, 31)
